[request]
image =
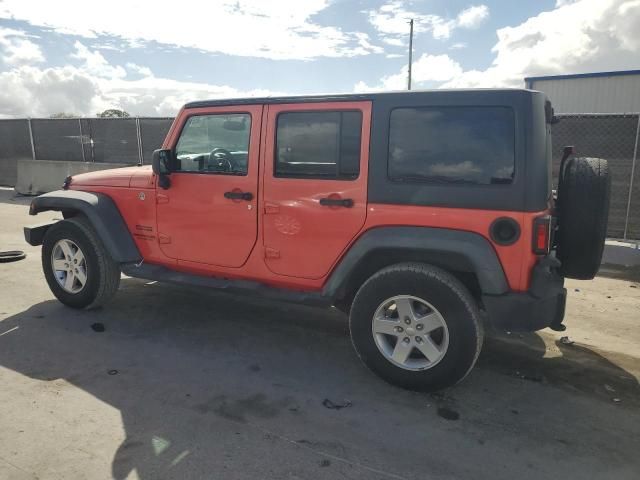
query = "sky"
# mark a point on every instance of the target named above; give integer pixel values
(149, 58)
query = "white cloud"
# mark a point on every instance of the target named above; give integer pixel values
(275, 29)
(162, 96)
(427, 68)
(139, 69)
(98, 85)
(473, 16)
(390, 20)
(458, 46)
(362, 87)
(365, 46)
(396, 42)
(435, 68)
(577, 36)
(94, 63)
(30, 91)
(17, 49)
(393, 82)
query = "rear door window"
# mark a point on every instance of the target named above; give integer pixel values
(320, 144)
(469, 145)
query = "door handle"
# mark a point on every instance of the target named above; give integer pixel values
(238, 195)
(337, 202)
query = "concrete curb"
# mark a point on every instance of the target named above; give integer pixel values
(621, 260)
(41, 176)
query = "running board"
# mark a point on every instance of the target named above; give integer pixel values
(163, 274)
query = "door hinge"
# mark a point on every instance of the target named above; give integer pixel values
(162, 238)
(271, 253)
(160, 198)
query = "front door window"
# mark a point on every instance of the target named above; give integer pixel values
(215, 144)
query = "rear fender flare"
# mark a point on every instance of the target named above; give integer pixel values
(449, 249)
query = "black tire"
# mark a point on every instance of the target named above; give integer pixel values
(103, 273)
(583, 213)
(12, 256)
(453, 301)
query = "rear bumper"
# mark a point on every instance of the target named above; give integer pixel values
(543, 305)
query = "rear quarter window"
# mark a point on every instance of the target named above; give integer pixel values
(471, 145)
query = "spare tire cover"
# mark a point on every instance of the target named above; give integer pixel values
(583, 212)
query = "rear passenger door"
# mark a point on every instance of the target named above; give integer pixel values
(315, 184)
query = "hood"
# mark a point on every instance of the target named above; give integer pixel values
(140, 177)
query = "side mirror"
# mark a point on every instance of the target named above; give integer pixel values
(161, 167)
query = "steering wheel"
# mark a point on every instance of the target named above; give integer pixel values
(220, 160)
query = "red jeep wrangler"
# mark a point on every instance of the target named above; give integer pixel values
(426, 216)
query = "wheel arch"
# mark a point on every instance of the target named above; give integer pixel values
(468, 256)
(101, 212)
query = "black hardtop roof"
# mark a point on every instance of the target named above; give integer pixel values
(354, 97)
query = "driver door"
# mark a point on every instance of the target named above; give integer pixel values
(208, 215)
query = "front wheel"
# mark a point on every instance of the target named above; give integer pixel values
(416, 326)
(79, 270)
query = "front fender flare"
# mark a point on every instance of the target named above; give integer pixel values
(103, 214)
(449, 249)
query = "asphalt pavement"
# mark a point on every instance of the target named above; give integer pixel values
(184, 383)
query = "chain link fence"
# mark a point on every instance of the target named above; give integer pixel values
(615, 138)
(152, 133)
(131, 141)
(100, 140)
(15, 144)
(58, 139)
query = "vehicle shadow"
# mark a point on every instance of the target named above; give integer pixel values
(219, 386)
(569, 366)
(619, 272)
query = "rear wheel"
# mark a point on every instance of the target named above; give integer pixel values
(79, 270)
(416, 326)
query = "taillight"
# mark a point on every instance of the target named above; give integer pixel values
(542, 235)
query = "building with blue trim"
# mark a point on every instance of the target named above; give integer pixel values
(598, 92)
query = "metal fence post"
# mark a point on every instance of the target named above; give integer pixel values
(33, 145)
(139, 136)
(92, 146)
(633, 169)
(81, 140)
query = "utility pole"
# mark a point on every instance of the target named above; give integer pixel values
(410, 52)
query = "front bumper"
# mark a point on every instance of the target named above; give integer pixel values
(542, 306)
(34, 234)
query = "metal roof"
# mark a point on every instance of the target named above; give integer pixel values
(617, 73)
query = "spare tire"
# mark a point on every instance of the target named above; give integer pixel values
(583, 212)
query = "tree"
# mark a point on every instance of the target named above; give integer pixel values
(64, 115)
(113, 113)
